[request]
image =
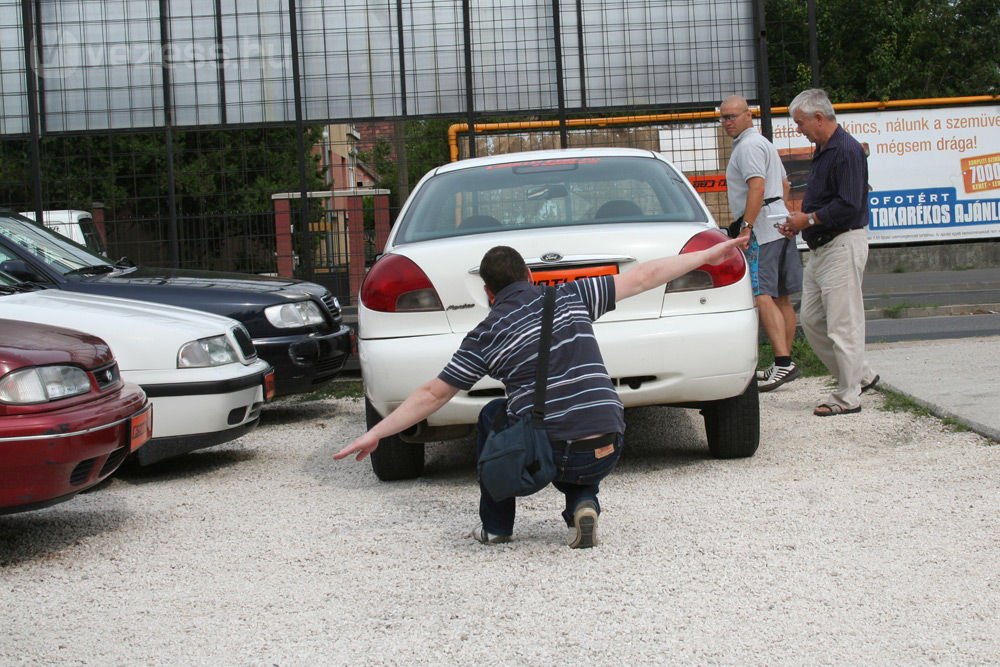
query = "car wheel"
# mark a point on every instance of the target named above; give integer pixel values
(394, 459)
(732, 425)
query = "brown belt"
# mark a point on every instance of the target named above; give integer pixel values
(586, 445)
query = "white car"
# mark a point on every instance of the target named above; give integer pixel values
(570, 213)
(200, 371)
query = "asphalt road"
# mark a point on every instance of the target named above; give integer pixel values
(932, 305)
(888, 330)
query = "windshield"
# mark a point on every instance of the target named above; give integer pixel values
(56, 251)
(549, 193)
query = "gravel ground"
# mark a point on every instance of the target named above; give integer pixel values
(862, 539)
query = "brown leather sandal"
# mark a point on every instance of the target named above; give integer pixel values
(830, 410)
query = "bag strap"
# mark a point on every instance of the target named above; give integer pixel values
(542, 365)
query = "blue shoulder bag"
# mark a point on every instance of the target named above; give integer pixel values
(517, 461)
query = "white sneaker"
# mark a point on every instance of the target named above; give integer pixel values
(779, 375)
(480, 535)
(763, 373)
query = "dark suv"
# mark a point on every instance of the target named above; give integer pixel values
(296, 326)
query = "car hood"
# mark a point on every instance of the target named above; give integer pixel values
(270, 289)
(29, 344)
(143, 336)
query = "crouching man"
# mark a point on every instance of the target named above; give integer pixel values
(584, 417)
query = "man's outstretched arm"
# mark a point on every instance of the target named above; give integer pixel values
(427, 399)
(661, 271)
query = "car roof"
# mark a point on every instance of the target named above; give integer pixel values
(61, 215)
(557, 154)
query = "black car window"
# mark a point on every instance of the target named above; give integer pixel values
(91, 236)
(548, 193)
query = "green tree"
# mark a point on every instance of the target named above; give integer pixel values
(223, 184)
(889, 49)
(426, 143)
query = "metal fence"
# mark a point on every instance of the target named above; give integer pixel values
(178, 122)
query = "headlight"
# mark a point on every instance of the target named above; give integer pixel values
(43, 383)
(214, 351)
(291, 315)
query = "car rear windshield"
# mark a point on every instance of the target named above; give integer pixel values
(549, 193)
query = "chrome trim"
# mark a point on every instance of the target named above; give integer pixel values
(50, 436)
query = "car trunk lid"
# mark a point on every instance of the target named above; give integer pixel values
(555, 255)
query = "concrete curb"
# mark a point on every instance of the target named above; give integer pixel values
(882, 313)
(943, 413)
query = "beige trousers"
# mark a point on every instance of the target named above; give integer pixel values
(832, 313)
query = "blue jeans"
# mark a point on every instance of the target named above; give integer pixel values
(578, 475)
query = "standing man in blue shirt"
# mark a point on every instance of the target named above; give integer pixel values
(832, 221)
(757, 187)
(584, 417)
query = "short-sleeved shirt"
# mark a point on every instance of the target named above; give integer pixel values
(580, 398)
(756, 157)
(837, 189)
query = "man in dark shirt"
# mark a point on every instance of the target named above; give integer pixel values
(584, 417)
(832, 221)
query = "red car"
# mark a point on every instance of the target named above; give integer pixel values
(67, 421)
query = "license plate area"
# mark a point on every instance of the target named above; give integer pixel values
(571, 273)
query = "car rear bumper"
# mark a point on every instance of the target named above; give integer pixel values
(44, 469)
(665, 361)
(304, 363)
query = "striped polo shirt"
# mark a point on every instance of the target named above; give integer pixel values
(580, 398)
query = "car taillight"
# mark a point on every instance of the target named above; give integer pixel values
(705, 276)
(395, 284)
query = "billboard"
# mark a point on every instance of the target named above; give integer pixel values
(934, 173)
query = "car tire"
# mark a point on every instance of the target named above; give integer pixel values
(732, 425)
(394, 459)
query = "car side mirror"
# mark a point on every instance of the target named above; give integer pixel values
(20, 270)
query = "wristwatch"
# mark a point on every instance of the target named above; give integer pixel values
(810, 220)
(747, 225)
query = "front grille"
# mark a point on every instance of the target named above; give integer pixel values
(245, 342)
(81, 473)
(107, 376)
(115, 459)
(331, 303)
(328, 367)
